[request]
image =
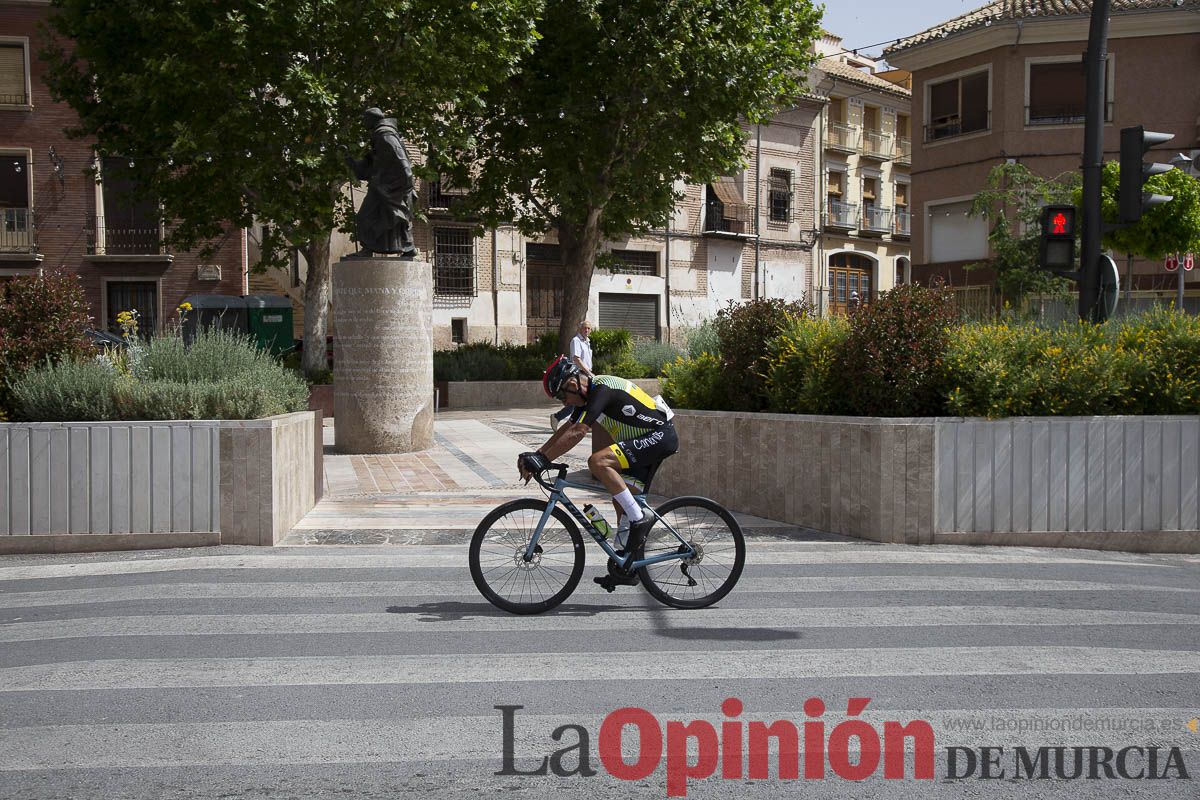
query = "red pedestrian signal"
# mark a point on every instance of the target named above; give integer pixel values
(1058, 223)
(1057, 251)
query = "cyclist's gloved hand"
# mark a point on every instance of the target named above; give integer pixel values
(531, 463)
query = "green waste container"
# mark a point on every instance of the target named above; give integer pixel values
(269, 321)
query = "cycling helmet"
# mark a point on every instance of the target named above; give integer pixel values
(560, 370)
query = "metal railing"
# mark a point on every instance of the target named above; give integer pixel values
(841, 215)
(1061, 115)
(902, 223)
(876, 219)
(728, 218)
(17, 233)
(455, 274)
(903, 151)
(947, 127)
(141, 241)
(877, 145)
(21, 99)
(442, 196)
(842, 137)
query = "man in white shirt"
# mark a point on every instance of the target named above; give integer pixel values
(581, 356)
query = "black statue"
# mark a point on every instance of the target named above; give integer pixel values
(384, 220)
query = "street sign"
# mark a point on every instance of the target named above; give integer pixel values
(1189, 262)
(1171, 262)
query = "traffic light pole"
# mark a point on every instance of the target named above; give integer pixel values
(1093, 165)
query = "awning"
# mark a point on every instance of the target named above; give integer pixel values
(727, 191)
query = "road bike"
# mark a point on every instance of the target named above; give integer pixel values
(527, 556)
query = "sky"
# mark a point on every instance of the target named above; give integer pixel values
(861, 23)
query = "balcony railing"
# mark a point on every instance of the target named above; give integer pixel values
(841, 215)
(842, 137)
(17, 234)
(903, 223)
(1062, 115)
(21, 99)
(903, 151)
(877, 145)
(443, 196)
(877, 220)
(728, 218)
(946, 127)
(103, 240)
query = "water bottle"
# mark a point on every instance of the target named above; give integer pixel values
(598, 521)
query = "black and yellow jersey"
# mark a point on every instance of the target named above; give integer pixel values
(621, 408)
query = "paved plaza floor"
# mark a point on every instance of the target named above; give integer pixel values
(439, 495)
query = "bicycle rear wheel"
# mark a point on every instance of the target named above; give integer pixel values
(710, 575)
(497, 561)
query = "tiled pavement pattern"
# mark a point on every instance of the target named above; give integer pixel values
(441, 494)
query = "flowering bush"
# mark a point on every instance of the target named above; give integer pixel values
(694, 382)
(892, 362)
(744, 332)
(803, 376)
(1161, 352)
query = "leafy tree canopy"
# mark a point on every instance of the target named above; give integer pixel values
(618, 101)
(1012, 203)
(1172, 227)
(242, 110)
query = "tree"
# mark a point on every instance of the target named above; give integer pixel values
(242, 110)
(1171, 227)
(617, 101)
(1012, 204)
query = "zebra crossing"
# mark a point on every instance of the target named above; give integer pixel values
(379, 672)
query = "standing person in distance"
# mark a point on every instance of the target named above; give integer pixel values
(581, 356)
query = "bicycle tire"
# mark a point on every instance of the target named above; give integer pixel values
(721, 543)
(507, 548)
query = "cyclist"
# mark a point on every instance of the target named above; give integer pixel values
(635, 434)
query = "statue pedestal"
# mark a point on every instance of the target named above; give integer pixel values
(383, 355)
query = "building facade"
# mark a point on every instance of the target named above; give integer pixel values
(56, 216)
(1005, 83)
(864, 192)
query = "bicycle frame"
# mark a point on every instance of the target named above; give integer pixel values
(558, 495)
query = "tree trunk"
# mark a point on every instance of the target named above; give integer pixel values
(579, 245)
(318, 289)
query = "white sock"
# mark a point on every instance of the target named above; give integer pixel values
(632, 509)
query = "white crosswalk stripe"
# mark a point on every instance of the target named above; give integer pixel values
(152, 671)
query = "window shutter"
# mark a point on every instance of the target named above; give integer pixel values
(12, 75)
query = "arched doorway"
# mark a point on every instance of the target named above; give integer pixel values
(851, 275)
(903, 271)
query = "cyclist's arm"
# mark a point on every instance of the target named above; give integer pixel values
(564, 439)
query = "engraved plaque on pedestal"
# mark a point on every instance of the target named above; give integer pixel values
(382, 355)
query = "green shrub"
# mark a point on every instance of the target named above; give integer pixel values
(71, 390)
(803, 376)
(694, 383)
(610, 345)
(1161, 350)
(219, 377)
(702, 339)
(893, 361)
(43, 318)
(745, 332)
(653, 355)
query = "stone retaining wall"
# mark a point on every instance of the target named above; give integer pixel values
(1127, 483)
(512, 394)
(79, 486)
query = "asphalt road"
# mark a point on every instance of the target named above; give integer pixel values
(376, 673)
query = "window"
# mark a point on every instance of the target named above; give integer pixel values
(849, 280)
(15, 222)
(781, 195)
(958, 106)
(458, 331)
(635, 262)
(1056, 92)
(954, 235)
(130, 222)
(453, 261)
(14, 83)
(903, 220)
(871, 119)
(837, 109)
(838, 212)
(443, 194)
(140, 296)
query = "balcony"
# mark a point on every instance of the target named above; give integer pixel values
(876, 220)
(903, 154)
(1061, 115)
(902, 225)
(841, 215)
(732, 219)
(877, 145)
(842, 138)
(948, 127)
(17, 233)
(443, 197)
(134, 243)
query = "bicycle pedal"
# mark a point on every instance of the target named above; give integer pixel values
(604, 581)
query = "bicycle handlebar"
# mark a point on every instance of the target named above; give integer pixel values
(562, 471)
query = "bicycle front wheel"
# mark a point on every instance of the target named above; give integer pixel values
(499, 568)
(712, 572)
